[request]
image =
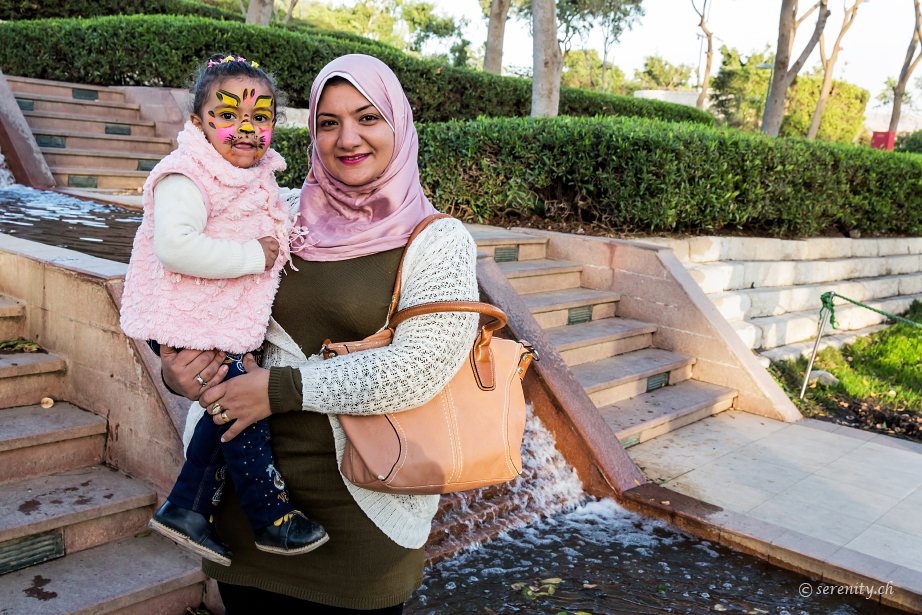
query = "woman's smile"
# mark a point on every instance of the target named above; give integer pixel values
(356, 159)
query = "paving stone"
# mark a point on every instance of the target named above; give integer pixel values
(824, 523)
(898, 548)
(801, 447)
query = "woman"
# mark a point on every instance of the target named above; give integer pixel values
(359, 203)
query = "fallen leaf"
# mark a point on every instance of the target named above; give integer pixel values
(517, 586)
(719, 607)
(554, 581)
(551, 590)
(589, 585)
(665, 502)
(142, 535)
(47, 402)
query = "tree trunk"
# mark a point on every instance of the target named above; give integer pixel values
(908, 65)
(710, 55)
(260, 12)
(824, 96)
(783, 76)
(546, 58)
(493, 59)
(291, 9)
(242, 8)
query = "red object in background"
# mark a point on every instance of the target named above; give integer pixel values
(882, 140)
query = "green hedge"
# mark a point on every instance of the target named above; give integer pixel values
(646, 175)
(11, 10)
(159, 50)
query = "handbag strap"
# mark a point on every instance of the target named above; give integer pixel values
(395, 298)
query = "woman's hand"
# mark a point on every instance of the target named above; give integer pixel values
(244, 399)
(182, 370)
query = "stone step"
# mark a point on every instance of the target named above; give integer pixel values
(25, 378)
(94, 159)
(99, 178)
(36, 441)
(724, 276)
(512, 246)
(752, 303)
(652, 414)
(89, 506)
(711, 249)
(800, 326)
(133, 576)
(830, 339)
(26, 85)
(96, 141)
(600, 339)
(89, 108)
(80, 123)
(541, 275)
(608, 381)
(12, 318)
(558, 307)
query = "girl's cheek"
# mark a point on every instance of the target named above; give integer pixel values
(265, 139)
(226, 133)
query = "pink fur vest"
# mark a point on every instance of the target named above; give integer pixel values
(188, 312)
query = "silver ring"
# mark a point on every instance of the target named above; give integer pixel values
(200, 381)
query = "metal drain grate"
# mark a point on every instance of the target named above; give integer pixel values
(658, 381)
(118, 129)
(579, 314)
(25, 105)
(81, 94)
(82, 181)
(146, 165)
(22, 552)
(630, 440)
(50, 141)
(506, 254)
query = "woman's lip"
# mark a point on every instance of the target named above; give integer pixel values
(353, 159)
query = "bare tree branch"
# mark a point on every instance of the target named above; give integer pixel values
(710, 53)
(909, 65)
(291, 9)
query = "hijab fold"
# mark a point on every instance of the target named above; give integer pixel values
(345, 221)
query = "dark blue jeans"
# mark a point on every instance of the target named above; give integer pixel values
(247, 460)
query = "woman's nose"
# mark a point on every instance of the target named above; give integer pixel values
(348, 137)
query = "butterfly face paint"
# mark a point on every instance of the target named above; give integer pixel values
(238, 120)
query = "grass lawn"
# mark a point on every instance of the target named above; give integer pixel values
(880, 381)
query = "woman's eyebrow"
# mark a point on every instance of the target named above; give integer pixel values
(360, 109)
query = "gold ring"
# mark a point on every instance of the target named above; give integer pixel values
(216, 409)
(224, 417)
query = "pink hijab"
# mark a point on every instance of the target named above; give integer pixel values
(342, 221)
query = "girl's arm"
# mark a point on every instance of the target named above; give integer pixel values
(179, 243)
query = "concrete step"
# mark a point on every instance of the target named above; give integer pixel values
(608, 381)
(101, 142)
(600, 339)
(507, 245)
(830, 339)
(711, 249)
(558, 307)
(12, 318)
(795, 327)
(752, 303)
(81, 123)
(94, 159)
(723, 276)
(652, 414)
(36, 441)
(25, 378)
(541, 275)
(88, 506)
(133, 576)
(99, 178)
(89, 108)
(26, 85)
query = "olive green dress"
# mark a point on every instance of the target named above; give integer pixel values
(360, 567)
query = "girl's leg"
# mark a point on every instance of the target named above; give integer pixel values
(248, 600)
(202, 476)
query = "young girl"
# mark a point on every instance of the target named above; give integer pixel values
(203, 274)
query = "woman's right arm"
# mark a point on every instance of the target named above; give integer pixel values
(180, 369)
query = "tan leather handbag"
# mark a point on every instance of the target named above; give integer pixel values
(468, 436)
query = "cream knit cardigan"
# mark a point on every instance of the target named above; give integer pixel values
(426, 353)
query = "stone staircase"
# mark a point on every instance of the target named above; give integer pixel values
(91, 137)
(73, 535)
(769, 289)
(642, 391)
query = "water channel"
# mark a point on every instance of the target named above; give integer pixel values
(586, 557)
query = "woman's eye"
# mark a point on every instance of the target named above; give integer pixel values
(326, 123)
(369, 118)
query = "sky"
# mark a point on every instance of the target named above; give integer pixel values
(872, 50)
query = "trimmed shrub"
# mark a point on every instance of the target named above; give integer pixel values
(157, 50)
(911, 142)
(646, 175)
(43, 9)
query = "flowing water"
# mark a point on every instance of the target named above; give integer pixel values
(6, 176)
(540, 533)
(67, 222)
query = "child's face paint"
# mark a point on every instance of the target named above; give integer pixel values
(238, 120)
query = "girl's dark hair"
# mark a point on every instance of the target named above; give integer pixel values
(205, 77)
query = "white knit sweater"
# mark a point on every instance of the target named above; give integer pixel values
(426, 353)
